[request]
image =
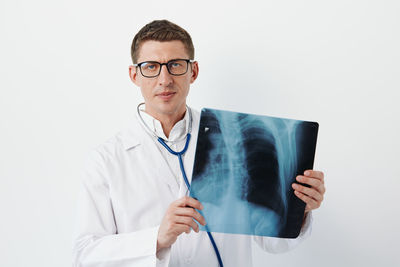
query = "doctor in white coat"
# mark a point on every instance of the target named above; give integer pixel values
(133, 205)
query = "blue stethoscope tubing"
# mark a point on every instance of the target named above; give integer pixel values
(179, 154)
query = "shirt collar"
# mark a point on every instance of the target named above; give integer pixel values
(178, 131)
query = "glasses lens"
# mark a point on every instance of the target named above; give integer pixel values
(150, 68)
(178, 67)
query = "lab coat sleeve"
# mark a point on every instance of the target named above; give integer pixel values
(97, 242)
(280, 245)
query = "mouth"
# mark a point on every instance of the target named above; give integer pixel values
(166, 95)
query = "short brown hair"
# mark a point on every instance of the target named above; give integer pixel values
(162, 31)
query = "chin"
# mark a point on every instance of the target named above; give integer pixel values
(169, 108)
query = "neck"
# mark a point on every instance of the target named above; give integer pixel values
(167, 120)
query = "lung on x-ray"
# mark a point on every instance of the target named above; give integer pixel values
(243, 170)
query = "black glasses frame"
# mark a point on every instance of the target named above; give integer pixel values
(166, 65)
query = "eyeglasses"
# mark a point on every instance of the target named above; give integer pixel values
(151, 69)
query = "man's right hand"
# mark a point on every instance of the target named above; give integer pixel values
(179, 218)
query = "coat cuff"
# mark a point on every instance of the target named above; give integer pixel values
(163, 255)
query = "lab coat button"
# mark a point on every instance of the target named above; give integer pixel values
(188, 261)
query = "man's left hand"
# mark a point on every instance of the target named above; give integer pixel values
(314, 194)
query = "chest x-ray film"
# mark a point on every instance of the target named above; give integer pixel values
(244, 168)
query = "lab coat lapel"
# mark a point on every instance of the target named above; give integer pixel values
(134, 136)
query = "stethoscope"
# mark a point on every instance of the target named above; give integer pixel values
(179, 155)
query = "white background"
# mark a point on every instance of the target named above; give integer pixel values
(64, 88)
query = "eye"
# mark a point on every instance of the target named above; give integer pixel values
(149, 66)
(175, 64)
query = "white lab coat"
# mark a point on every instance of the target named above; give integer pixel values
(127, 187)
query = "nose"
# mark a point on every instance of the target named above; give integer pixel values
(165, 79)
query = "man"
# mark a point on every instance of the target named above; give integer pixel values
(133, 205)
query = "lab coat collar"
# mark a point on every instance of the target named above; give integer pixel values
(133, 134)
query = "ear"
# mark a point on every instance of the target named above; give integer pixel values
(133, 75)
(195, 71)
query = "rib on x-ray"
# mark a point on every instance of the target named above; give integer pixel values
(243, 170)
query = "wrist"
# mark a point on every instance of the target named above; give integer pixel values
(304, 218)
(159, 247)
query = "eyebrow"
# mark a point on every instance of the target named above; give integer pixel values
(163, 62)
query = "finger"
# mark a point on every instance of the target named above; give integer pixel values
(316, 174)
(179, 228)
(312, 203)
(187, 221)
(191, 213)
(313, 182)
(311, 192)
(189, 202)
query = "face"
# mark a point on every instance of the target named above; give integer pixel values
(164, 95)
